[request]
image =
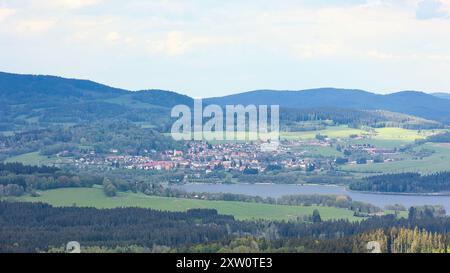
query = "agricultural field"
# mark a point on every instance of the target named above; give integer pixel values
(318, 151)
(400, 134)
(438, 161)
(94, 197)
(332, 132)
(31, 159)
(384, 137)
(380, 134)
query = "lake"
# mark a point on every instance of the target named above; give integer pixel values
(277, 190)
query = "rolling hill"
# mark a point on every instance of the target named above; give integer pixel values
(31, 99)
(407, 102)
(39, 100)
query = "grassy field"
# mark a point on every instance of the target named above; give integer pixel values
(30, 159)
(395, 134)
(439, 161)
(400, 134)
(318, 151)
(332, 132)
(94, 197)
(343, 131)
(380, 143)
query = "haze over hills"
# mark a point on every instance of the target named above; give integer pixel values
(30, 98)
(442, 95)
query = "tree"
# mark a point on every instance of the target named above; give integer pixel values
(362, 160)
(316, 216)
(341, 161)
(108, 188)
(412, 214)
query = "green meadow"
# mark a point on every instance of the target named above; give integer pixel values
(438, 161)
(380, 134)
(30, 159)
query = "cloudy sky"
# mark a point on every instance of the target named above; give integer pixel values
(215, 47)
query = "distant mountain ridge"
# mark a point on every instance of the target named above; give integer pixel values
(25, 99)
(407, 102)
(17, 88)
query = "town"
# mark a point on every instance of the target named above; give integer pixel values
(250, 157)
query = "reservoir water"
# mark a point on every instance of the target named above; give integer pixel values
(277, 190)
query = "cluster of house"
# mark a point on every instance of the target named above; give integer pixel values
(202, 156)
(372, 150)
(197, 156)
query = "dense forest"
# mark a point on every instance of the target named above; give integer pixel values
(35, 227)
(28, 227)
(394, 240)
(404, 183)
(290, 117)
(99, 137)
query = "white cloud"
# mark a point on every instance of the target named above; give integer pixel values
(383, 56)
(231, 39)
(34, 26)
(5, 13)
(172, 44)
(315, 51)
(69, 4)
(113, 36)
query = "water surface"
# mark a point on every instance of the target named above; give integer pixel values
(277, 190)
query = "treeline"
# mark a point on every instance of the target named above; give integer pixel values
(19, 168)
(337, 201)
(404, 183)
(294, 177)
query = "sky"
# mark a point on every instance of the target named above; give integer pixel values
(206, 48)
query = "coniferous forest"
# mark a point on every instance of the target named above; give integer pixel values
(405, 183)
(37, 227)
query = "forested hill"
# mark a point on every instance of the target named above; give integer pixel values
(31, 99)
(42, 100)
(16, 89)
(408, 102)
